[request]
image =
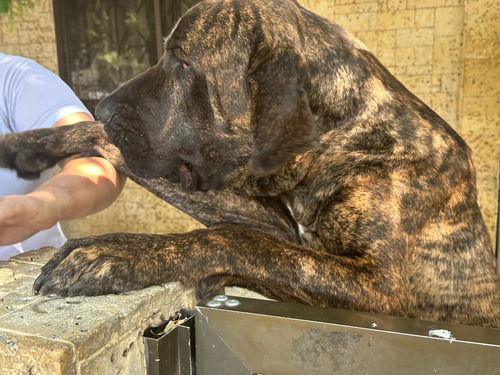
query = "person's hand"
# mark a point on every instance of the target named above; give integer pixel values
(21, 216)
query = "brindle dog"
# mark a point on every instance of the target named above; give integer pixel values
(320, 177)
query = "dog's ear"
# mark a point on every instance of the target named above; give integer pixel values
(281, 116)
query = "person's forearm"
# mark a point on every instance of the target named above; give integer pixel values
(83, 186)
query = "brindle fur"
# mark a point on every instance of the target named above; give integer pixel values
(320, 177)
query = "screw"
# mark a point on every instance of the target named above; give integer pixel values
(214, 304)
(232, 302)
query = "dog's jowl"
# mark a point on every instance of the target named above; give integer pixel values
(320, 177)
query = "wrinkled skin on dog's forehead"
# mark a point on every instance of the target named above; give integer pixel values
(219, 35)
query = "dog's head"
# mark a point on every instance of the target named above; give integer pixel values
(228, 98)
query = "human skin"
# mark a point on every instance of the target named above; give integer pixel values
(83, 186)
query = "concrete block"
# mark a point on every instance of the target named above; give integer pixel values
(125, 355)
(450, 83)
(353, 22)
(367, 7)
(482, 77)
(424, 17)
(405, 56)
(417, 70)
(482, 48)
(482, 19)
(401, 19)
(81, 335)
(323, 7)
(410, 4)
(449, 21)
(391, 4)
(447, 57)
(423, 56)
(414, 37)
(21, 354)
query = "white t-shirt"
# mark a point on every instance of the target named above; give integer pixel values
(31, 97)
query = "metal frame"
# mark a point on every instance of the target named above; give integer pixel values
(172, 352)
(247, 336)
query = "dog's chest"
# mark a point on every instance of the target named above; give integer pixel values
(307, 233)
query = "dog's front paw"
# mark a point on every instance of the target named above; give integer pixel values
(99, 265)
(27, 153)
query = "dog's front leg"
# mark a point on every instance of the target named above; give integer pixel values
(226, 255)
(31, 152)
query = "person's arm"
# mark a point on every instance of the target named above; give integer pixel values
(83, 186)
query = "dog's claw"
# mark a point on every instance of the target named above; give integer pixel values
(37, 285)
(183, 313)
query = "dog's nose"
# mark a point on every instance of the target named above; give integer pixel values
(104, 110)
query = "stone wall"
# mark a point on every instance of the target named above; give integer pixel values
(32, 35)
(445, 51)
(479, 120)
(51, 335)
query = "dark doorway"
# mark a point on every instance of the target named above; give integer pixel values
(103, 43)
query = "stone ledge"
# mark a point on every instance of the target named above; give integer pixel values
(76, 335)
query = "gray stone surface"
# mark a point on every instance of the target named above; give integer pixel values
(83, 335)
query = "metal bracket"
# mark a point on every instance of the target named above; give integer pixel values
(171, 352)
(265, 337)
(236, 335)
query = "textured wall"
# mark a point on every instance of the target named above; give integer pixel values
(32, 35)
(480, 99)
(445, 51)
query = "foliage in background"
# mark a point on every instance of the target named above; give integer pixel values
(16, 8)
(108, 42)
